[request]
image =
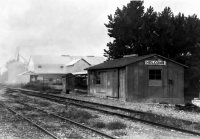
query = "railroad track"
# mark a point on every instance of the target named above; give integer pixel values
(112, 110)
(31, 122)
(91, 130)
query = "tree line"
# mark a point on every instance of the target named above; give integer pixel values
(138, 31)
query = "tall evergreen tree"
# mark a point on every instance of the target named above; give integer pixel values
(135, 30)
(125, 27)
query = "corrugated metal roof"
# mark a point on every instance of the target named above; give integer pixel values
(121, 62)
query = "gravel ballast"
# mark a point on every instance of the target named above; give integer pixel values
(159, 109)
(14, 127)
(133, 129)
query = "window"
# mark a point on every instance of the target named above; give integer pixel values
(155, 74)
(155, 77)
(97, 78)
(39, 66)
(50, 79)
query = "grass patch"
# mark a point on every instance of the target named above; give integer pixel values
(115, 125)
(51, 127)
(14, 120)
(74, 136)
(44, 104)
(119, 133)
(14, 96)
(99, 125)
(197, 127)
(111, 125)
(34, 114)
(23, 109)
(80, 115)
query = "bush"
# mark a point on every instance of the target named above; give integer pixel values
(23, 109)
(80, 115)
(99, 125)
(75, 136)
(116, 125)
(119, 133)
(44, 104)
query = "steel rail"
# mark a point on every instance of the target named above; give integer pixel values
(92, 103)
(36, 125)
(112, 113)
(71, 121)
(104, 105)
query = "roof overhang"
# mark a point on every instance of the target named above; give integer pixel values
(103, 66)
(80, 73)
(27, 73)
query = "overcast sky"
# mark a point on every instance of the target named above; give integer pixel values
(74, 27)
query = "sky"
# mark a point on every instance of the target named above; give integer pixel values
(65, 27)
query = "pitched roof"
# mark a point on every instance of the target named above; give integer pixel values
(58, 61)
(27, 73)
(80, 70)
(122, 62)
(51, 60)
(90, 60)
(65, 60)
(94, 60)
(72, 62)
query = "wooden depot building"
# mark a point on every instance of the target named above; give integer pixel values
(150, 78)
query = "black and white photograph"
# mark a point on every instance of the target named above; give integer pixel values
(99, 69)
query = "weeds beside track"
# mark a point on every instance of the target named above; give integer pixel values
(113, 110)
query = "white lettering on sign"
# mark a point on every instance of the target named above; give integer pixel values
(155, 62)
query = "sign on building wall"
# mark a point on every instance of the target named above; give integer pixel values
(155, 62)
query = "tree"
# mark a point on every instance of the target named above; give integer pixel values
(124, 27)
(135, 30)
(192, 74)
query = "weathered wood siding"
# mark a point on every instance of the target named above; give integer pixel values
(138, 88)
(69, 82)
(176, 88)
(109, 85)
(132, 79)
(122, 84)
(131, 83)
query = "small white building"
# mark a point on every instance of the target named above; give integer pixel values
(47, 69)
(50, 70)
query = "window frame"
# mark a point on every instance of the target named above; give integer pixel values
(97, 76)
(156, 74)
(157, 77)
